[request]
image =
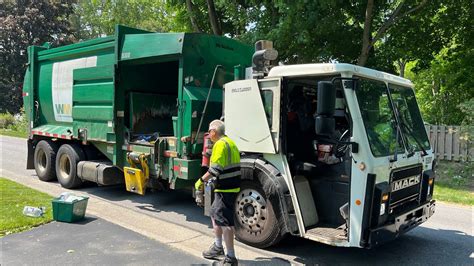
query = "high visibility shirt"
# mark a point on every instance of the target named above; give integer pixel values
(225, 165)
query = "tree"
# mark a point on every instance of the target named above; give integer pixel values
(97, 18)
(390, 16)
(213, 18)
(209, 16)
(447, 81)
(24, 23)
(191, 9)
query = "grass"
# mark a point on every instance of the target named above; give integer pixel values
(454, 195)
(13, 198)
(455, 182)
(13, 133)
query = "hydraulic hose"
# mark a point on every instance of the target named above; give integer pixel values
(205, 104)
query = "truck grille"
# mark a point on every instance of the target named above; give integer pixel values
(405, 186)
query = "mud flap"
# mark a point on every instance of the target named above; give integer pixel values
(30, 164)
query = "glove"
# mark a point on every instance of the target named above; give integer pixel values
(199, 185)
(200, 198)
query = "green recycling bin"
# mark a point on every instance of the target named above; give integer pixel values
(69, 211)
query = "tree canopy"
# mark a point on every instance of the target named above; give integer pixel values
(429, 41)
(24, 23)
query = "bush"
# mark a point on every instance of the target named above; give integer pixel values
(6, 120)
(21, 122)
(17, 123)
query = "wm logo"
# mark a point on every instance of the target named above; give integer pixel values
(63, 109)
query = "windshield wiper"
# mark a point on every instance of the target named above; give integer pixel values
(395, 154)
(417, 141)
(396, 117)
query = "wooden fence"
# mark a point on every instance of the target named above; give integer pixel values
(448, 143)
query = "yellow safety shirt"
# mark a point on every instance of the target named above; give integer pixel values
(225, 165)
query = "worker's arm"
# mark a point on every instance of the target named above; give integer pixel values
(217, 161)
(206, 177)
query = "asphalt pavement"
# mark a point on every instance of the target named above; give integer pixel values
(445, 239)
(91, 241)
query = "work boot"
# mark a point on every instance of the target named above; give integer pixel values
(214, 252)
(230, 261)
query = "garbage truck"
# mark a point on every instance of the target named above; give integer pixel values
(331, 152)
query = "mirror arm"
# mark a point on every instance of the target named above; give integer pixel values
(354, 81)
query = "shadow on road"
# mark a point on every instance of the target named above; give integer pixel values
(86, 220)
(159, 203)
(420, 246)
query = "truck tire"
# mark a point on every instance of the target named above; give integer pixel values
(69, 155)
(45, 160)
(255, 221)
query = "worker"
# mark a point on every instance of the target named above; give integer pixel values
(225, 169)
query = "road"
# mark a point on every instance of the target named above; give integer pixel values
(447, 238)
(91, 241)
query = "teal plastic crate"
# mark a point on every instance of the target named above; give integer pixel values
(69, 211)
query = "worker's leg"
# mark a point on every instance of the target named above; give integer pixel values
(216, 250)
(228, 232)
(217, 233)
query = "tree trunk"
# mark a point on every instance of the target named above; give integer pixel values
(192, 16)
(366, 37)
(216, 27)
(368, 40)
(401, 65)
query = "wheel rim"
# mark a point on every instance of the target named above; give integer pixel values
(64, 166)
(42, 161)
(251, 210)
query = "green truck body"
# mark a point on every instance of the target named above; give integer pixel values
(107, 91)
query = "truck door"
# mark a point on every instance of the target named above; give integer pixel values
(252, 114)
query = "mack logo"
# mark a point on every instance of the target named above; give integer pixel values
(406, 182)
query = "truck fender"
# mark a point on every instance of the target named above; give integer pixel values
(274, 185)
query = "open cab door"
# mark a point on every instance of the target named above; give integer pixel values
(252, 114)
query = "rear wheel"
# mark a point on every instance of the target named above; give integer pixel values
(45, 160)
(69, 155)
(256, 223)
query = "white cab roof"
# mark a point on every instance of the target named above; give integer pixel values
(335, 68)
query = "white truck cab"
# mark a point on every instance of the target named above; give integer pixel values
(335, 153)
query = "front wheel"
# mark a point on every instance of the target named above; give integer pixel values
(256, 224)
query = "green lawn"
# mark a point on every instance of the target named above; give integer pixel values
(455, 182)
(13, 198)
(445, 193)
(13, 133)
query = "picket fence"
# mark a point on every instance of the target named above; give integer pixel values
(448, 143)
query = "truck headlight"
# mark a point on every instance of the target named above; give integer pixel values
(382, 209)
(430, 184)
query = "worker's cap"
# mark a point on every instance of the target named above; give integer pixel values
(218, 126)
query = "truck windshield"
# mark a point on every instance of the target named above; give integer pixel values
(379, 118)
(379, 121)
(410, 117)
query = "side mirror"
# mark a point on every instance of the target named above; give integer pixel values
(325, 123)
